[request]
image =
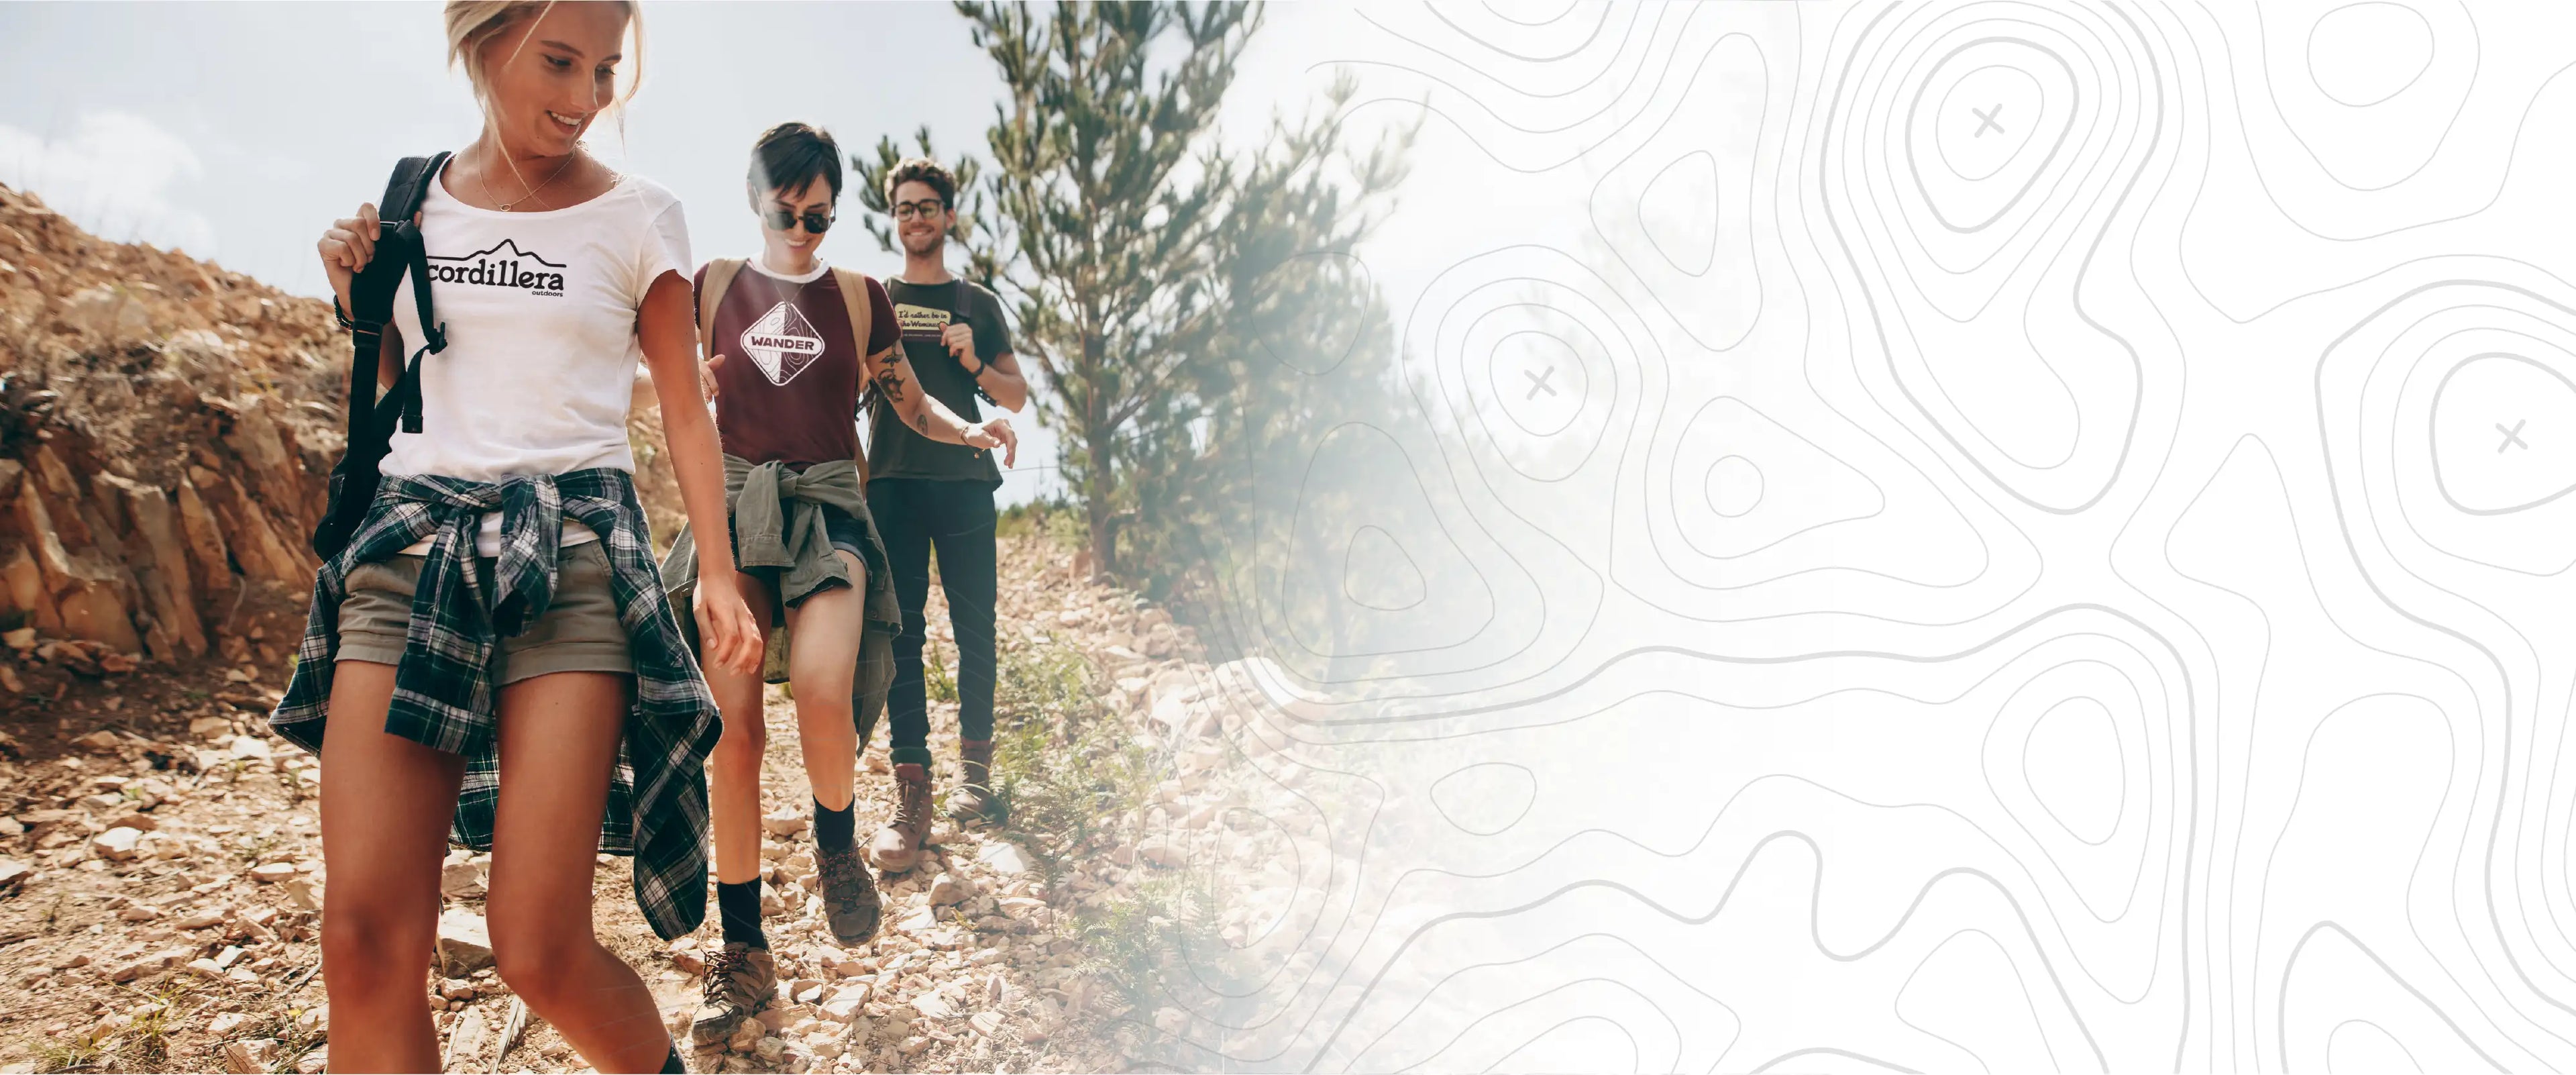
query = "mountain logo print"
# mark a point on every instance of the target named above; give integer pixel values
(502, 264)
(782, 343)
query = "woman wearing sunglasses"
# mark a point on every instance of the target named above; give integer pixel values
(794, 343)
(494, 655)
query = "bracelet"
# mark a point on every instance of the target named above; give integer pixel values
(341, 317)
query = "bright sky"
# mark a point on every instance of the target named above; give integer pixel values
(238, 131)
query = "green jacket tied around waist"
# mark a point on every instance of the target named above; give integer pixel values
(777, 517)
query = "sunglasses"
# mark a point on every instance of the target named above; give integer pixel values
(923, 208)
(783, 219)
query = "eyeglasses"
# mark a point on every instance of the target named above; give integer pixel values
(783, 219)
(922, 208)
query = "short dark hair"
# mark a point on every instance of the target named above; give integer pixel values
(923, 170)
(791, 155)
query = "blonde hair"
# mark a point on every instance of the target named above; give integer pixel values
(472, 23)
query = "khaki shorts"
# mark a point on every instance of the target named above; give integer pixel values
(580, 631)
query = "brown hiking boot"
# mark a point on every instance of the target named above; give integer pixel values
(849, 895)
(741, 980)
(974, 801)
(898, 845)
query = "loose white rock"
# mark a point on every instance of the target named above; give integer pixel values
(459, 877)
(1161, 850)
(846, 1005)
(305, 893)
(786, 822)
(250, 1057)
(116, 844)
(464, 942)
(1003, 858)
(949, 888)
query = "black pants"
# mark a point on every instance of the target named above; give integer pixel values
(914, 517)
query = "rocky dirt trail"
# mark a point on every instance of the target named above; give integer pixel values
(163, 428)
(163, 880)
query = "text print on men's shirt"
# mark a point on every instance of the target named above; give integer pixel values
(501, 265)
(782, 343)
(921, 324)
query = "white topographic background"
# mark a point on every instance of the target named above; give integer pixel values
(1940, 536)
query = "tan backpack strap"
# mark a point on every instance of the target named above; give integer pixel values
(720, 274)
(854, 294)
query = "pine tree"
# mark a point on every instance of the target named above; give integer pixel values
(1155, 277)
(1114, 191)
(1300, 343)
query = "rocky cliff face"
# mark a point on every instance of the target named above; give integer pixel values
(167, 430)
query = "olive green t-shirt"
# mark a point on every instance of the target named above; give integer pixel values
(896, 450)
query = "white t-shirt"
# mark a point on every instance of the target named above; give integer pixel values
(539, 309)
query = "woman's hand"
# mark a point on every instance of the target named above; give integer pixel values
(995, 433)
(728, 636)
(347, 246)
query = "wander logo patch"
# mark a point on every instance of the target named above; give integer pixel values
(782, 343)
(502, 264)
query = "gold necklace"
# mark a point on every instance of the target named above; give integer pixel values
(560, 169)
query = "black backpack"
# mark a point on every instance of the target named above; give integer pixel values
(371, 297)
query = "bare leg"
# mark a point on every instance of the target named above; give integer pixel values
(733, 771)
(386, 804)
(559, 737)
(823, 633)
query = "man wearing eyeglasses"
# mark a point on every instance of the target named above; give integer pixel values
(930, 496)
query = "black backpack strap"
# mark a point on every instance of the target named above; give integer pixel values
(404, 194)
(400, 254)
(371, 295)
(406, 254)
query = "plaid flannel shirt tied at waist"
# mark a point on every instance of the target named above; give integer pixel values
(444, 696)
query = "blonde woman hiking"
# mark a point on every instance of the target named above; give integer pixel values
(490, 645)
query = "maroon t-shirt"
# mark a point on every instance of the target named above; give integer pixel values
(789, 387)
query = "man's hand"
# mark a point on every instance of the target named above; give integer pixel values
(707, 377)
(995, 433)
(959, 338)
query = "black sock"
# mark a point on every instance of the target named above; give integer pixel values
(671, 1062)
(738, 905)
(832, 827)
